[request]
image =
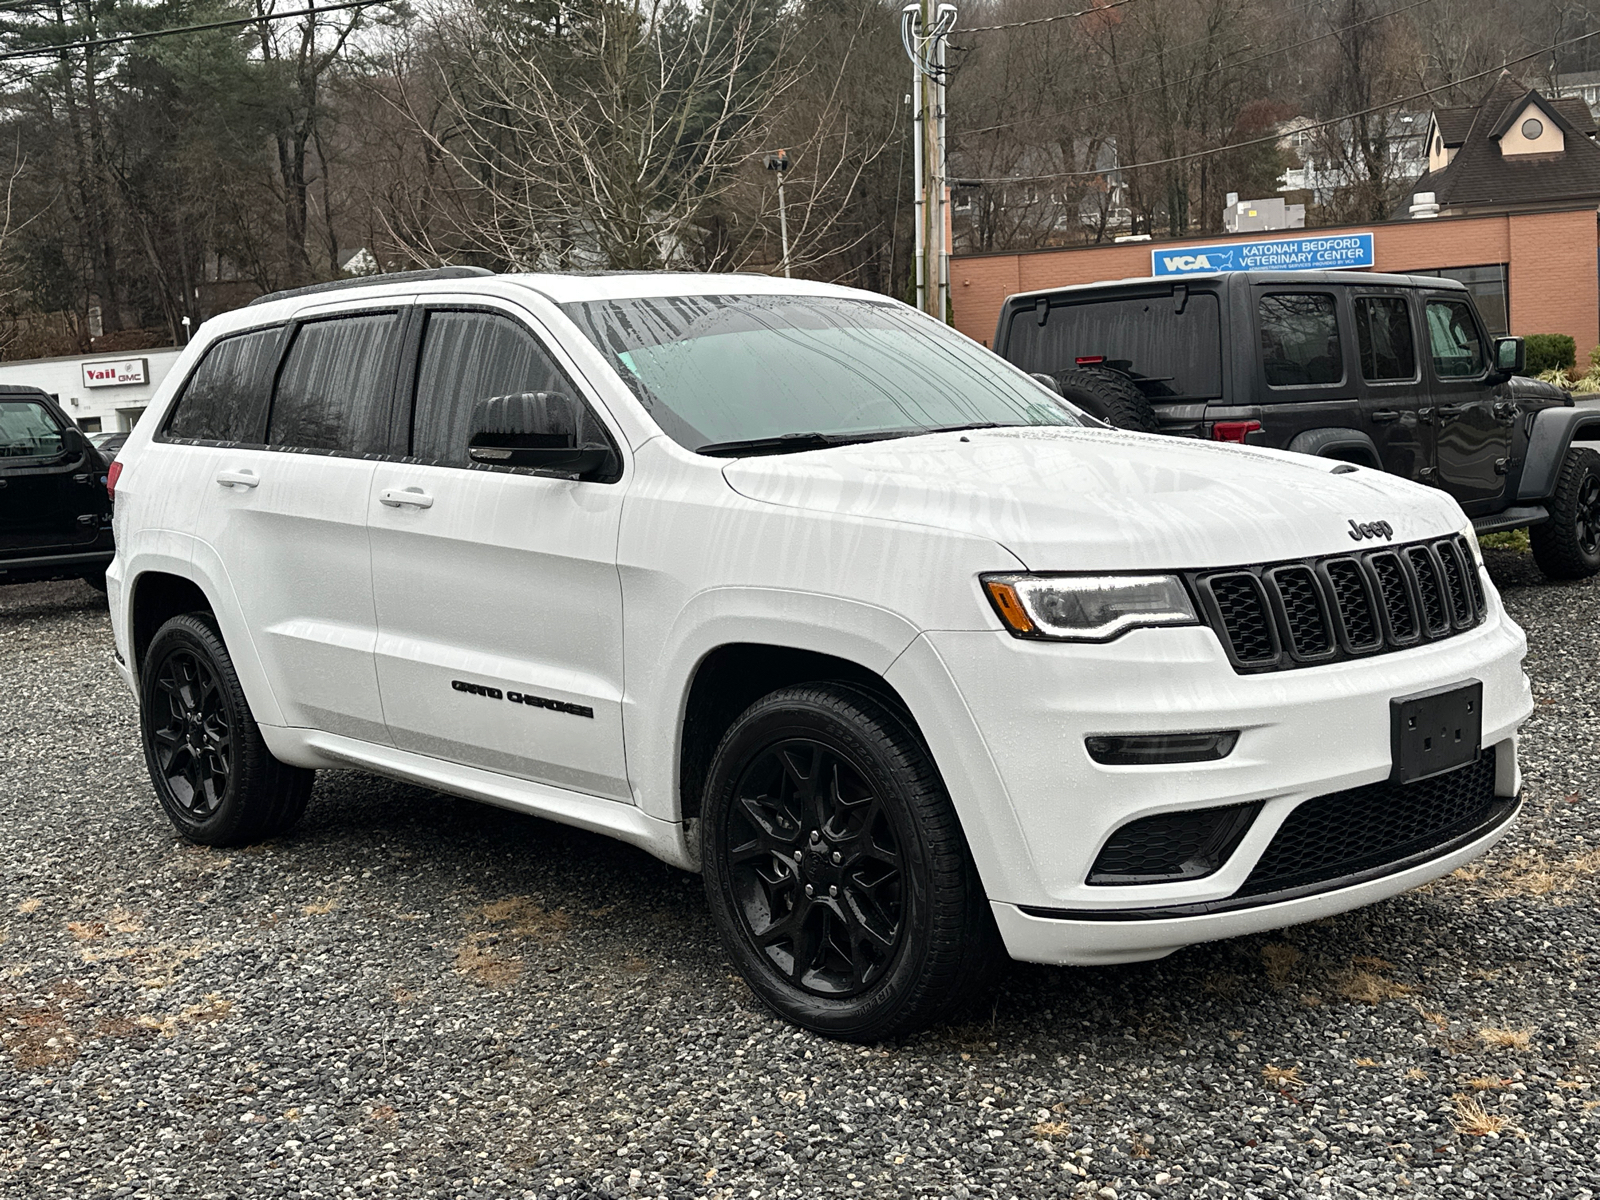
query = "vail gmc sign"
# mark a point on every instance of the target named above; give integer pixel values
(1309, 253)
(106, 373)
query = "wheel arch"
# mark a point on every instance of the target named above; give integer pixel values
(157, 594)
(734, 675)
(1343, 445)
(1554, 432)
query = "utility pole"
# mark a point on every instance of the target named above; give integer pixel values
(779, 162)
(924, 27)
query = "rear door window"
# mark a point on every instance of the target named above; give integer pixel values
(1383, 338)
(225, 399)
(1300, 339)
(27, 430)
(468, 357)
(1174, 355)
(335, 387)
(1454, 340)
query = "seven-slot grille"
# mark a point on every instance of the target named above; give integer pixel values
(1300, 614)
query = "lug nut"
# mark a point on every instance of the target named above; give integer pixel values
(810, 891)
(798, 856)
(837, 858)
(833, 891)
(815, 837)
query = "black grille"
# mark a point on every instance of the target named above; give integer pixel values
(1173, 846)
(1242, 609)
(1299, 614)
(1344, 833)
(1303, 616)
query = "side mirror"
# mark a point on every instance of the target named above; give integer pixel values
(1048, 381)
(1510, 356)
(541, 431)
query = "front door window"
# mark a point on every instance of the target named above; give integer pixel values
(1454, 340)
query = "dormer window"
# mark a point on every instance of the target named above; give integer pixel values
(1532, 128)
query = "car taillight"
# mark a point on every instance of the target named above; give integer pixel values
(1234, 431)
(1089, 360)
(111, 479)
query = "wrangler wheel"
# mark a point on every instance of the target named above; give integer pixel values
(1567, 546)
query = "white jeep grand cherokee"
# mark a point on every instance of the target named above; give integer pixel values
(792, 585)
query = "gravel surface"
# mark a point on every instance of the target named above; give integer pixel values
(426, 997)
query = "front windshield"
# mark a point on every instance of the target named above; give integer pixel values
(714, 370)
(26, 430)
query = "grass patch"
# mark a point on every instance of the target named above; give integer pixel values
(1471, 1119)
(1506, 1039)
(1282, 1077)
(1507, 539)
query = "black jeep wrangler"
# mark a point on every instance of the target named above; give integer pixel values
(1388, 371)
(55, 515)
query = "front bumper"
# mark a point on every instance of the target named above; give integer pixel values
(1304, 733)
(1076, 942)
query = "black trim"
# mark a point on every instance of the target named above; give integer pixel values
(342, 285)
(1505, 808)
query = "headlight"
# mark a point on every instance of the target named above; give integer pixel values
(1087, 608)
(1471, 534)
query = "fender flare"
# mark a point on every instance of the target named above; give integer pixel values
(1347, 445)
(1554, 431)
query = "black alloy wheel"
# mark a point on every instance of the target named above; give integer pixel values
(193, 737)
(836, 869)
(213, 773)
(1567, 546)
(816, 867)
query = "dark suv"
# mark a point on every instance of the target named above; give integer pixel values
(1389, 371)
(55, 515)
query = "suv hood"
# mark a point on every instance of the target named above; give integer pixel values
(1089, 499)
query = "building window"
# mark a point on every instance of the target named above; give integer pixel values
(1487, 284)
(1532, 128)
(89, 424)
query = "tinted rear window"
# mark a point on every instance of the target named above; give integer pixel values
(225, 399)
(1175, 355)
(1300, 339)
(333, 392)
(28, 431)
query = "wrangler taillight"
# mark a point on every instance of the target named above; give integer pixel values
(1233, 431)
(1089, 360)
(111, 479)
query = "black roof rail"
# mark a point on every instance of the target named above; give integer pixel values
(339, 285)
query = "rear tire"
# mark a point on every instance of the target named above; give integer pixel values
(1567, 546)
(1113, 398)
(836, 869)
(212, 772)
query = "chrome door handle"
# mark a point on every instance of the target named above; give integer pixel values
(242, 478)
(414, 496)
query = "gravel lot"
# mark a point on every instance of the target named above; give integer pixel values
(422, 996)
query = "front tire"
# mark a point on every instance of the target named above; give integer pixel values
(215, 778)
(836, 869)
(1567, 546)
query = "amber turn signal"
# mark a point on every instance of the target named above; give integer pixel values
(1008, 606)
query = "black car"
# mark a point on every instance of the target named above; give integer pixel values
(1394, 372)
(55, 515)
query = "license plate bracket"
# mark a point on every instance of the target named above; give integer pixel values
(1435, 731)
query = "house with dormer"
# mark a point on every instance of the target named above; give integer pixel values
(1515, 150)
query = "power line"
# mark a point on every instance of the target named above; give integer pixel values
(1087, 12)
(1274, 137)
(1240, 62)
(121, 38)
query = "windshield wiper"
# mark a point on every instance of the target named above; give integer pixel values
(786, 443)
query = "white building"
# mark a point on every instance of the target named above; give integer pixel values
(101, 392)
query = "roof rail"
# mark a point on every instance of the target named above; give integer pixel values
(339, 285)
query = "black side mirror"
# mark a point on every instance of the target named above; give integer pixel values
(547, 432)
(1510, 357)
(1048, 381)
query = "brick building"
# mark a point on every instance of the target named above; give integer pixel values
(1532, 270)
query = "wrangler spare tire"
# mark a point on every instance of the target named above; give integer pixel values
(1113, 398)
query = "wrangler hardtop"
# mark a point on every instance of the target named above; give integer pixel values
(1393, 372)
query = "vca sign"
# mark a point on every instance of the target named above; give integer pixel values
(115, 374)
(1310, 253)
